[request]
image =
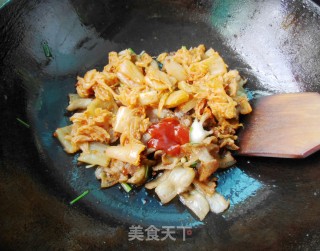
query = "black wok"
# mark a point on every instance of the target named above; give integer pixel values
(275, 203)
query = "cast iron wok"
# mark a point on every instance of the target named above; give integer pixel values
(275, 203)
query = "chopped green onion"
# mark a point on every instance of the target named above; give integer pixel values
(184, 47)
(146, 175)
(46, 49)
(132, 51)
(79, 197)
(23, 123)
(194, 164)
(126, 187)
(159, 64)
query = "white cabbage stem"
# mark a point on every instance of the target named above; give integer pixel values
(177, 182)
(196, 202)
(197, 133)
(217, 202)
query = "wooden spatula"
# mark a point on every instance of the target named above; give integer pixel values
(282, 125)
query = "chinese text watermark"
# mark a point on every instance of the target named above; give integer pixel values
(153, 233)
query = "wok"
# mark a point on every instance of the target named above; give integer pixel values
(275, 203)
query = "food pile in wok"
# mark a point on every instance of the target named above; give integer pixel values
(167, 122)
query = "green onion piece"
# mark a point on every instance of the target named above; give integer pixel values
(194, 164)
(23, 123)
(184, 47)
(46, 49)
(126, 187)
(132, 51)
(146, 175)
(79, 197)
(159, 64)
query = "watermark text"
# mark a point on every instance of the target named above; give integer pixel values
(152, 233)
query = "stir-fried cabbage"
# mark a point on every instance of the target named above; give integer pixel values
(168, 122)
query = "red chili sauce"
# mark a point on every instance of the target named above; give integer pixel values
(168, 135)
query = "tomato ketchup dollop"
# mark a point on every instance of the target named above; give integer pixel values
(168, 135)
